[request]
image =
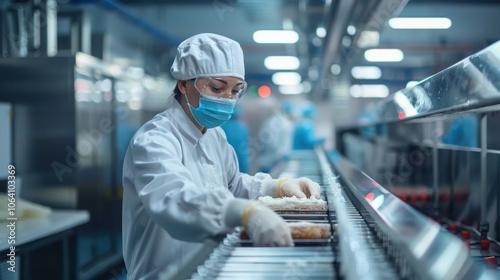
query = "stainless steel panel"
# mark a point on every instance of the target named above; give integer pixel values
(469, 84)
(431, 252)
(68, 134)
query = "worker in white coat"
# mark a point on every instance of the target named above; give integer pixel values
(275, 137)
(181, 180)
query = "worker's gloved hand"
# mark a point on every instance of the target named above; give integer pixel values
(301, 188)
(263, 225)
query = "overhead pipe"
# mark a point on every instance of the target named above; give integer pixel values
(337, 26)
(328, 10)
(469, 49)
(135, 19)
(336, 18)
(374, 18)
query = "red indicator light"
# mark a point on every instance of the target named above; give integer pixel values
(264, 91)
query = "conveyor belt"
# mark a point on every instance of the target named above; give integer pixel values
(363, 245)
(309, 259)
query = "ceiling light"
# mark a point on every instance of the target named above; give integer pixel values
(313, 73)
(384, 55)
(291, 90)
(321, 32)
(420, 23)
(367, 91)
(351, 30)
(366, 72)
(335, 69)
(282, 63)
(368, 39)
(346, 41)
(286, 78)
(275, 36)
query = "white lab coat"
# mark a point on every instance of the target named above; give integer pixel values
(274, 140)
(176, 182)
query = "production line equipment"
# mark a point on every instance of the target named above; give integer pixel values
(371, 231)
(372, 235)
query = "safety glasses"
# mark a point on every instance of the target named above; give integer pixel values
(221, 87)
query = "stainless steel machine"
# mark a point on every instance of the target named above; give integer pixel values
(71, 120)
(412, 195)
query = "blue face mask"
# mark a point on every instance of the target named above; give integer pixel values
(212, 111)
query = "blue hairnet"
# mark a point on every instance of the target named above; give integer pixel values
(309, 110)
(288, 108)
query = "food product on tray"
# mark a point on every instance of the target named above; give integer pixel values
(293, 203)
(304, 230)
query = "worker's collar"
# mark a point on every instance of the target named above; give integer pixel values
(184, 123)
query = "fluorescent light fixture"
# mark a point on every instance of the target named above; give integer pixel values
(275, 36)
(368, 39)
(366, 72)
(420, 23)
(335, 69)
(346, 41)
(411, 84)
(291, 90)
(313, 74)
(282, 63)
(286, 78)
(384, 55)
(351, 30)
(304, 87)
(321, 32)
(369, 91)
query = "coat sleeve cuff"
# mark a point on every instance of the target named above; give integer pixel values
(268, 187)
(233, 211)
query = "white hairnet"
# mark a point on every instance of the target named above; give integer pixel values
(208, 55)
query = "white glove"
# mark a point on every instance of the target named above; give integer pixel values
(264, 227)
(301, 188)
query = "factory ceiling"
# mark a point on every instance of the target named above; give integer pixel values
(474, 26)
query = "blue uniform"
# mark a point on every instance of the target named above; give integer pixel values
(304, 134)
(463, 132)
(237, 136)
